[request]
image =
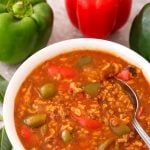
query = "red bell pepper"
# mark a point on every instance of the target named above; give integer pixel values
(98, 18)
(86, 122)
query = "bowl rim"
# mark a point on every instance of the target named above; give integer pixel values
(51, 51)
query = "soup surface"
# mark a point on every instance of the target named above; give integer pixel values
(72, 102)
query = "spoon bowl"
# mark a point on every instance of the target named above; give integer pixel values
(135, 101)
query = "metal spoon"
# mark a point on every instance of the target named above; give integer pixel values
(135, 101)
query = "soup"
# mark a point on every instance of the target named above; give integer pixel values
(72, 102)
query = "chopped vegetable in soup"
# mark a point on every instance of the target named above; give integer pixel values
(71, 102)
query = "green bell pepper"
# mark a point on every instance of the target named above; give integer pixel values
(140, 33)
(25, 27)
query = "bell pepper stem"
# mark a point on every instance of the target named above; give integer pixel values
(17, 7)
(21, 9)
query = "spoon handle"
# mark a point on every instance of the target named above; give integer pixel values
(141, 132)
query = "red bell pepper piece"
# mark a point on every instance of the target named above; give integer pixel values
(124, 75)
(65, 72)
(28, 136)
(26, 133)
(86, 122)
(98, 18)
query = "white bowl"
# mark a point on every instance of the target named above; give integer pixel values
(51, 51)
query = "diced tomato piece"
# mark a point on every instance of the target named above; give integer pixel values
(26, 133)
(64, 87)
(124, 75)
(86, 122)
(65, 72)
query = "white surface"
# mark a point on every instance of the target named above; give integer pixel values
(51, 51)
(64, 30)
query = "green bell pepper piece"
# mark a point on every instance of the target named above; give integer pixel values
(83, 61)
(25, 27)
(92, 88)
(140, 33)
